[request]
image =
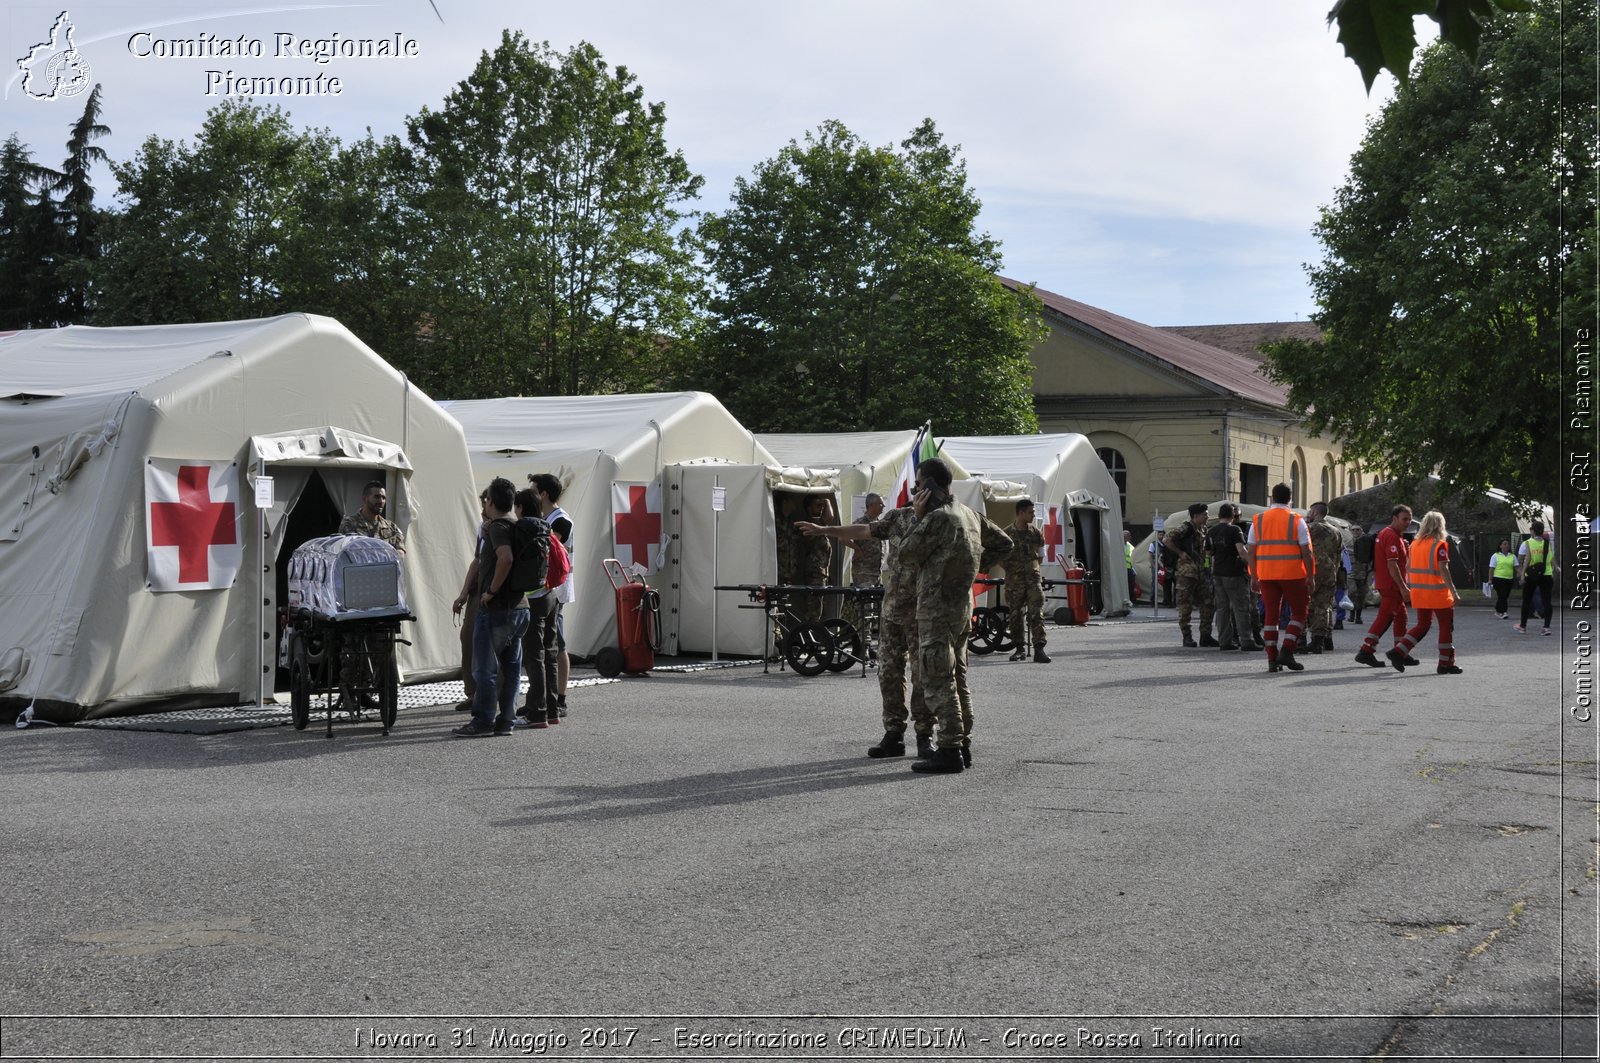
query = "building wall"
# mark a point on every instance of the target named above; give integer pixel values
(1066, 363)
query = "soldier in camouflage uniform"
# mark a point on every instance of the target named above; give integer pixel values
(896, 631)
(866, 562)
(1326, 546)
(369, 519)
(1024, 593)
(815, 553)
(1188, 541)
(942, 553)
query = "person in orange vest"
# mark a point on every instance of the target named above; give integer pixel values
(1281, 570)
(1432, 594)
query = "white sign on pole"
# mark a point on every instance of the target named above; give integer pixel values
(719, 499)
(264, 497)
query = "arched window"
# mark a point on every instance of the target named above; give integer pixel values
(1118, 468)
(1294, 484)
(1328, 484)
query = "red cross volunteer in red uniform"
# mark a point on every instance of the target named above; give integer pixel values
(1389, 558)
(1281, 570)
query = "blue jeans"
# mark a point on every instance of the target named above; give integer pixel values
(496, 656)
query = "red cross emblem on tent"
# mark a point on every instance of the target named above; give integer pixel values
(193, 525)
(636, 524)
(1053, 532)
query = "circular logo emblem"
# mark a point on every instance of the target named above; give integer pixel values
(67, 73)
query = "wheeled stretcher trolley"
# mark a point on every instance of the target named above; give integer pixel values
(346, 604)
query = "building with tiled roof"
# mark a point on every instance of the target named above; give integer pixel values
(1177, 419)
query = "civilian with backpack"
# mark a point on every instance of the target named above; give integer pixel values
(1534, 562)
(539, 643)
(502, 619)
(549, 489)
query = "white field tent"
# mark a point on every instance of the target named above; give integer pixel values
(676, 448)
(87, 628)
(1059, 470)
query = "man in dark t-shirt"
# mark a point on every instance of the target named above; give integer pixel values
(502, 621)
(1225, 544)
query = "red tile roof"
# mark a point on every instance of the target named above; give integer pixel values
(1223, 370)
(1247, 339)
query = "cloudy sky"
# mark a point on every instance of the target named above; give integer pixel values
(1163, 159)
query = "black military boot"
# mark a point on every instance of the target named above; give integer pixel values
(1039, 656)
(1019, 653)
(966, 749)
(893, 745)
(943, 762)
(924, 747)
(1188, 639)
(1327, 643)
(1207, 641)
(1316, 644)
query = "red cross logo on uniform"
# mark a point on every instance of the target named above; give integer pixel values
(193, 524)
(1052, 532)
(638, 529)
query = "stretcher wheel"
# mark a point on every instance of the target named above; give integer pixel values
(389, 694)
(299, 686)
(847, 649)
(809, 648)
(1062, 616)
(998, 637)
(988, 630)
(609, 662)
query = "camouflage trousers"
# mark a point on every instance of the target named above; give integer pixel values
(1194, 588)
(942, 655)
(1322, 610)
(894, 656)
(1025, 600)
(851, 609)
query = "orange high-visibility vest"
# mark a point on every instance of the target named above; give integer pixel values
(1275, 535)
(1429, 578)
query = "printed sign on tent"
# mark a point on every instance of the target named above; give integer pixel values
(192, 540)
(637, 531)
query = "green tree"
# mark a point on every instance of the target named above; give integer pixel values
(30, 288)
(80, 220)
(555, 261)
(1381, 34)
(221, 230)
(853, 292)
(1463, 237)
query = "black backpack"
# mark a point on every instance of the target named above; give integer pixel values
(530, 548)
(1362, 551)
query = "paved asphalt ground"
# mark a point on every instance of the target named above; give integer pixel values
(1337, 863)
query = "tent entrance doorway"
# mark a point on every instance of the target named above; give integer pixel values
(310, 503)
(1086, 525)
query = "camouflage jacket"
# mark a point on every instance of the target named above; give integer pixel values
(942, 553)
(1326, 546)
(899, 595)
(380, 527)
(1187, 542)
(1027, 552)
(866, 561)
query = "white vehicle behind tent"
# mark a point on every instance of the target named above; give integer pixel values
(84, 632)
(1063, 471)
